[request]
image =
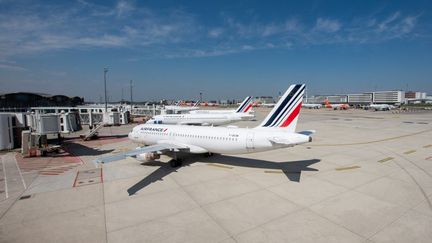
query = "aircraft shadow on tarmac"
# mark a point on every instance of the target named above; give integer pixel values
(99, 137)
(292, 169)
(82, 150)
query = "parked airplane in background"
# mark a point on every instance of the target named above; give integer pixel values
(381, 107)
(312, 106)
(336, 106)
(200, 119)
(267, 105)
(244, 107)
(177, 108)
(276, 131)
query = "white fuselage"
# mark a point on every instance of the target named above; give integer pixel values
(216, 139)
(312, 106)
(180, 109)
(381, 107)
(199, 119)
(212, 112)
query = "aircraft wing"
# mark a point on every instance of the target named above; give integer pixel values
(162, 147)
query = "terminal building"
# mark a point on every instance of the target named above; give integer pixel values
(378, 97)
(388, 97)
(360, 99)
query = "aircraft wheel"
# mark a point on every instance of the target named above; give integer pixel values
(175, 163)
(209, 154)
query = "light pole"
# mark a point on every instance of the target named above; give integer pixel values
(106, 103)
(131, 94)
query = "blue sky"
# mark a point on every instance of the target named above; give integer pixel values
(225, 49)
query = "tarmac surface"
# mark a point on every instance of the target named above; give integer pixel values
(366, 177)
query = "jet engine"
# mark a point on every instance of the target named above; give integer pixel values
(147, 157)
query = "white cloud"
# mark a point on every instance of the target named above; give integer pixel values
(215, 32)
(408, 24)
(383, 26)
(12, 67)
(175, 33)
(327, 25)
(292, 25)
(103, 41)
(124, 8)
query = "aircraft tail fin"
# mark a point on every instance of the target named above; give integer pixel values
(245, 106)
(327, 103)
(286, 112)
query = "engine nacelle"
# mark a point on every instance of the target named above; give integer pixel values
(147, 157)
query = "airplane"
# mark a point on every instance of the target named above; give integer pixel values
(381, 107)
(276, 131)
(268, 105)
(177, 108)
(244, 107)
(312, 106)
(200, 119)
(336, 106)
(206, 119)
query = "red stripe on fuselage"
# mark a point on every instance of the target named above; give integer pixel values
(248, 107)
(292, 116)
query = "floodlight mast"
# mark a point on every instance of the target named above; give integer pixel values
(131, 96)
(106, 103)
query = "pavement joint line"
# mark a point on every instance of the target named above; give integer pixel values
(274, 171)
(336, 223)
(369, 142)
(425, 195)
(385, 159)
(347, 168)
(301, 208)
(220, 166)
(201, 207)
(390, 223)
(281, 172)
(410, 151)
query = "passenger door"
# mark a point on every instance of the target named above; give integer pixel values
(250, 141)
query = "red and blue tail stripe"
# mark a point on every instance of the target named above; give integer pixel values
(287, 109)
(245, 105)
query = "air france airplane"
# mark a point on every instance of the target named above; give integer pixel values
(312, 106)
(206, 119)
(275, 132)
(381, 107)
(245, 107)
(177, 108)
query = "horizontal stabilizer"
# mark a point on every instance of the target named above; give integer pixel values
(278, 140)
(307, 132)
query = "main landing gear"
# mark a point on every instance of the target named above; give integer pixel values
(176, 163)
